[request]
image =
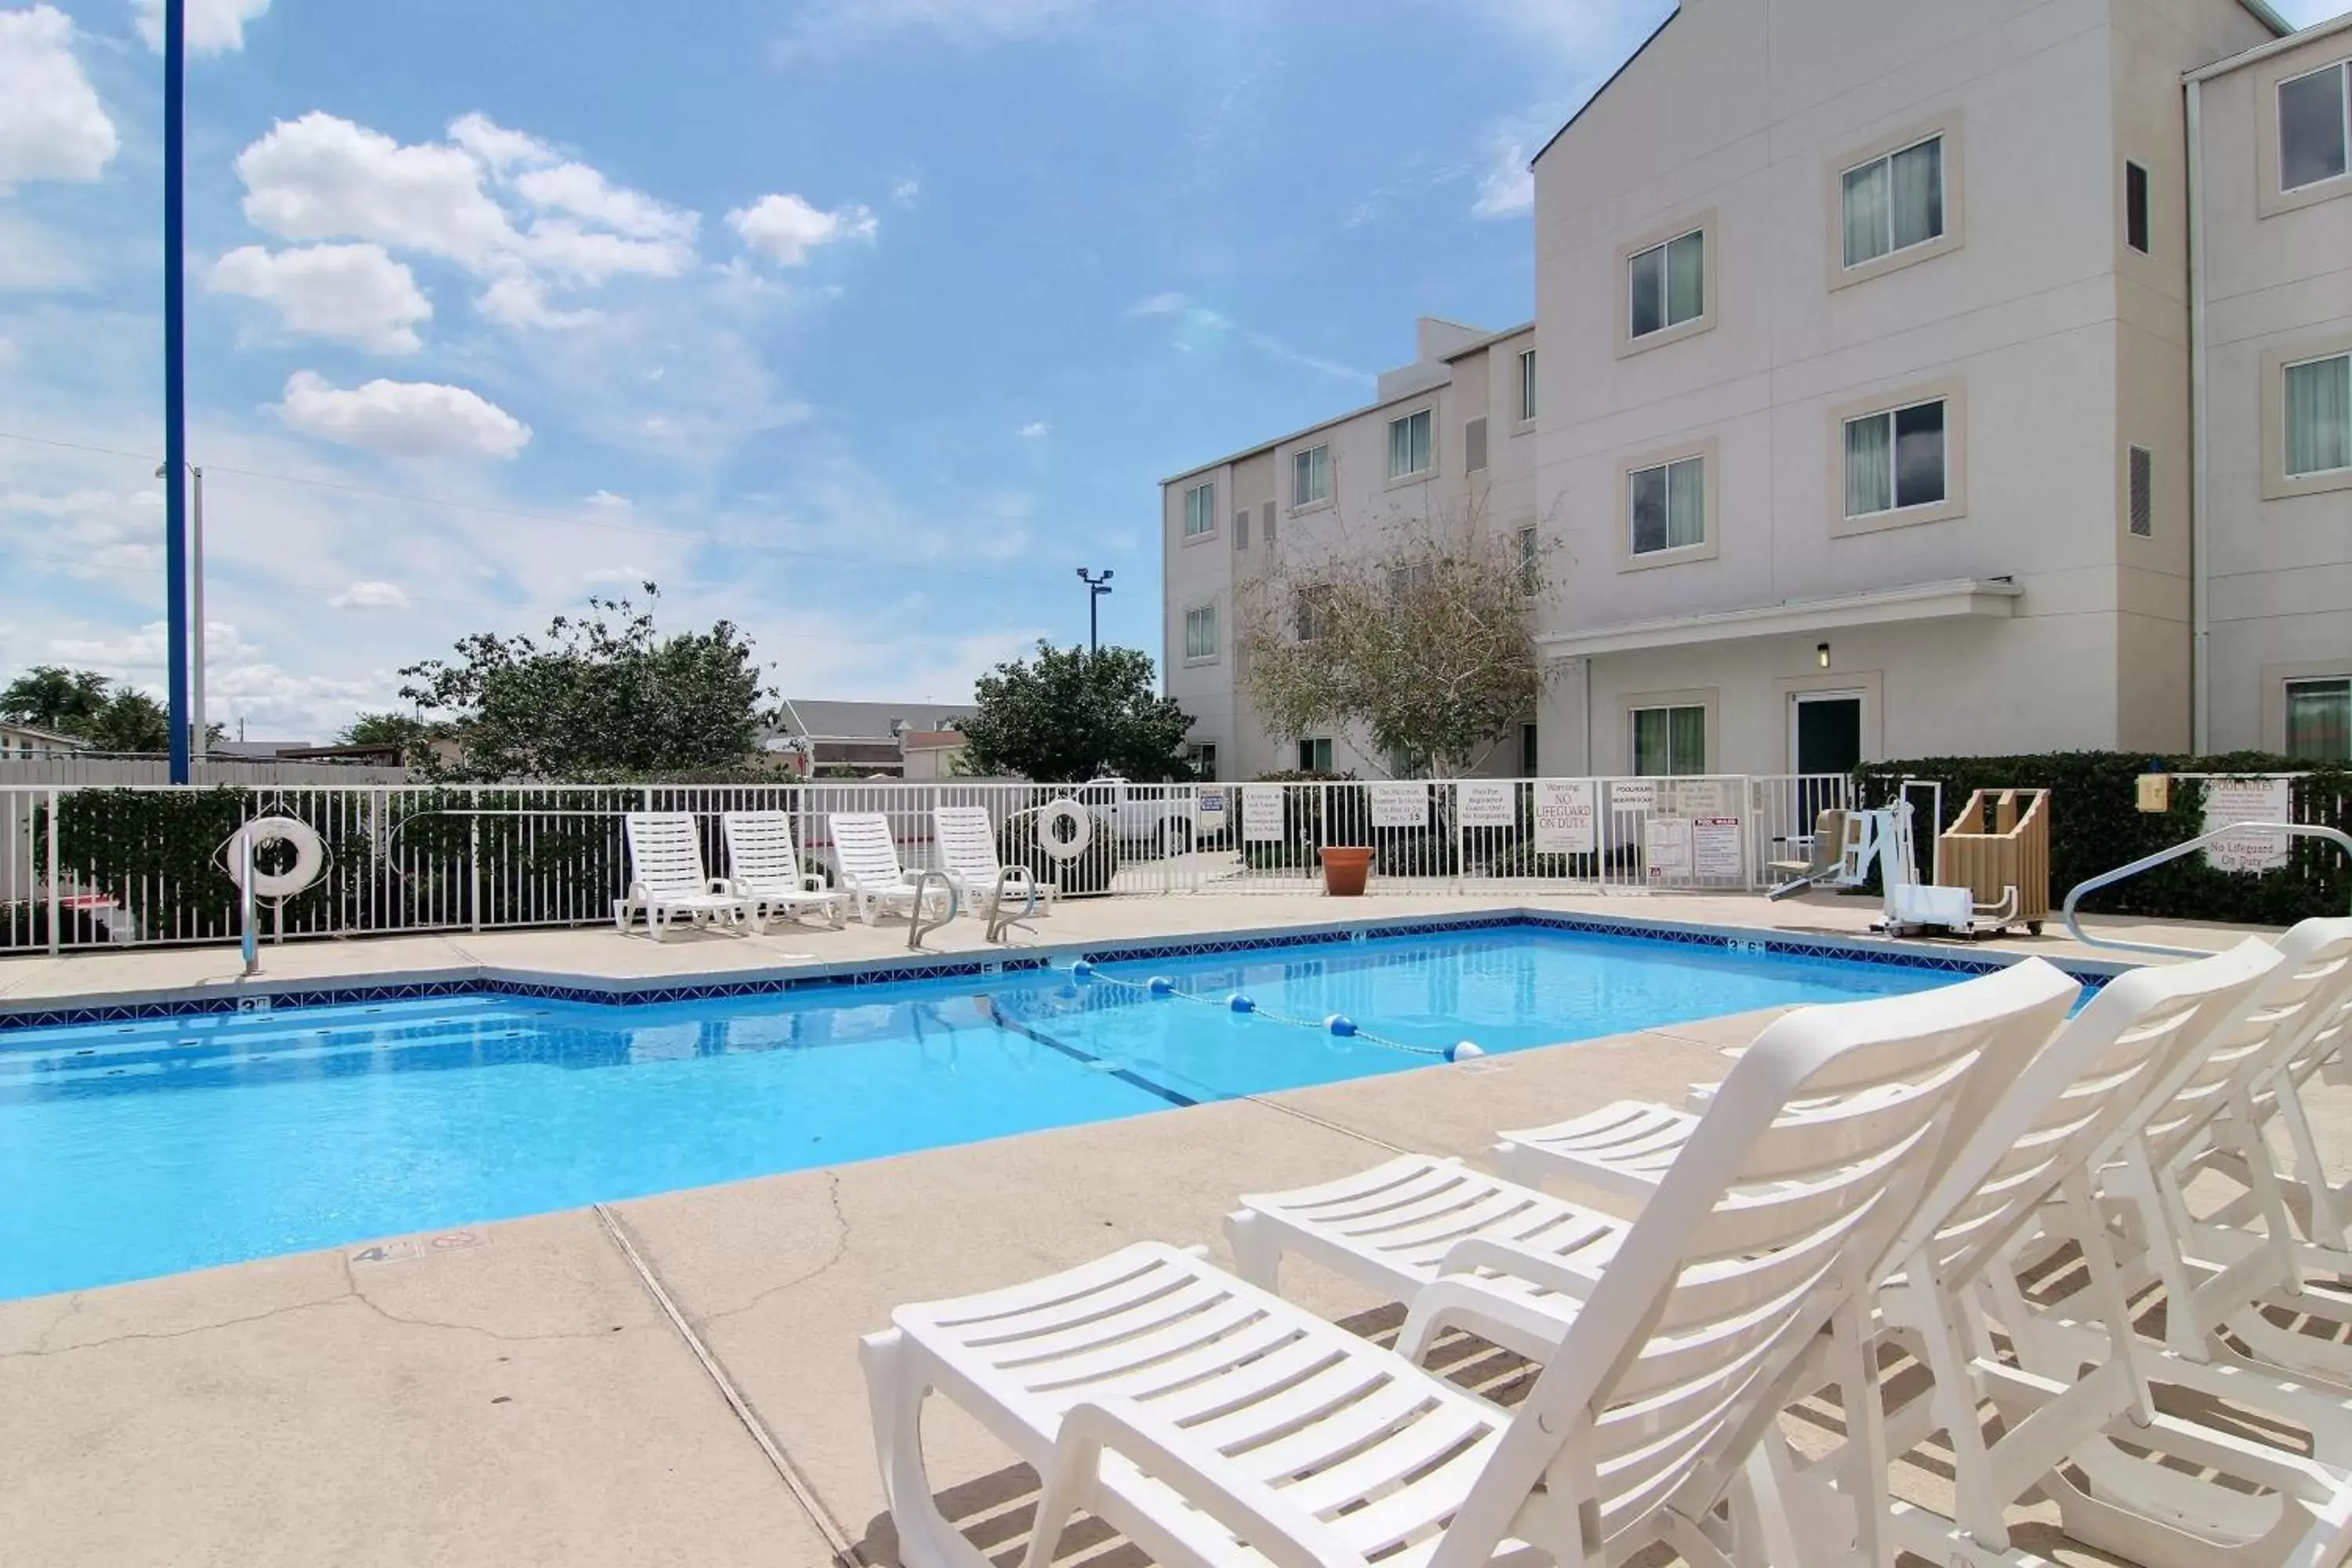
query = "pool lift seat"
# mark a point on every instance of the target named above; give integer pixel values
(1882, 835)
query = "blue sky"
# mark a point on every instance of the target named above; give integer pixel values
(860, 322)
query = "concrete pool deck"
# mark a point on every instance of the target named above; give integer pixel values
(519, 1393)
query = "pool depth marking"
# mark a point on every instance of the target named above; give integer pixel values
(996, 1016)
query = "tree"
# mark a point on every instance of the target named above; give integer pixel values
(402, 730)
(604, 695)
(1428, 644)
(1069, 716)
(63, 701)
(130, 722)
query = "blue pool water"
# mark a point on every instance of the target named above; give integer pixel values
(133, 1149)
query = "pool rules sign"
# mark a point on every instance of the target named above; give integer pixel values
(2231, 801)
(1564, 817)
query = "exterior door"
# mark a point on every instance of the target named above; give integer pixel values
(1824, 737)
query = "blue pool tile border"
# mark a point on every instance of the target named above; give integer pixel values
(1744, 941)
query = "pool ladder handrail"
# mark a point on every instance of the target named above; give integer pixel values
(2188, 847)
(1001, 921)
(915, 925)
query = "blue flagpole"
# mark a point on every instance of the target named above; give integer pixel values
(176, 388)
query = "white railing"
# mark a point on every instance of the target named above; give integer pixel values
(138, 865)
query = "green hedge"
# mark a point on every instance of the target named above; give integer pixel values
(2096, 826)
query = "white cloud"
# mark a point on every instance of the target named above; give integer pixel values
(405, 418)
(608, 499)
(1166, 304)
(370, 595)
(1507, 186)
(580, 189)
(784, 228)
(499, 147)
(607, 576)
(826, 27)
(355, 292)
(213, 25)
(903, 193)
(320, 177)
(519, 300)
(1035, 428)
(52, 126)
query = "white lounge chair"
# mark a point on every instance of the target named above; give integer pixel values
(968, 855)
(667, 880)
(865, 865)
(1212, 1422)
(763, 866)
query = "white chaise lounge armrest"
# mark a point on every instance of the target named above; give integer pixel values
(1524, 1324)
(1545, 1270)
(1277, 1528)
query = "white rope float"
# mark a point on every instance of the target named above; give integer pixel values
(1337, 1024)
(310, 855)
(1051, 844)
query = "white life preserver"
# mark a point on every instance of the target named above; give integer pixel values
(310, 855)
(1052, 845)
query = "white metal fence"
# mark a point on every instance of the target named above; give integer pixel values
(139, 865)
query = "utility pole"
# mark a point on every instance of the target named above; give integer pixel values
(175, 381)
(198, 745)
(1097, 587)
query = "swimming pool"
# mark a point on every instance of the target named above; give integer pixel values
(129, 1150)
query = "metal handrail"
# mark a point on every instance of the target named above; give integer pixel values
(915, 926)
(1000, 923)
(2107, 878)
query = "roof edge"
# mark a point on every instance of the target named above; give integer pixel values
(1622, 68)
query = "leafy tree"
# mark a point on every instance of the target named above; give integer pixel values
(1067, 716)
(402, 730)
(1428, 644)
(603, 695)
(130, 722)
(64, 701)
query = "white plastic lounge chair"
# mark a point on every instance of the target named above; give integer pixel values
(968, 855)
(1211, 1422)
(667, 880)
(763, 866)
(865, 860)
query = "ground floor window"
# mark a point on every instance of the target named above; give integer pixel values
(1315, 755)
(1203, 758)
(2319, 721)
(1669, 741)
(1529, 759)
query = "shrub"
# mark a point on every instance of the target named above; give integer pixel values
(2096, 826)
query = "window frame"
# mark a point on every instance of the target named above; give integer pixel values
(1669, 704)
(1893, 415)
(1953, 393)
(1428, 414)
(1307, 758)
(1306, 454)
(1216, 634)
(2138, 457)
(2343, 72)
(1530, 543)
(1949, 126)
(1190, 535)
(1708, 452)
(1526, 390)
(1702, 224)
(2277, 483)
(2272, 195)
(2285, 686)
(1305, 596)
(2146, 244)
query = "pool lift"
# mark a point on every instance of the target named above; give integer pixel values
(1848, 842)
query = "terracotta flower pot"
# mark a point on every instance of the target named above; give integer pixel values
(1344, 871)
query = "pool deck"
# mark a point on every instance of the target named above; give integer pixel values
(521, 1394)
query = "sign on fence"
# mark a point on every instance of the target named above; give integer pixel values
(2248, 800)
(1262, 814)
(1400, 805)
(1487, 803)
(1564, 817)
(1634, 795)
(1699, 797)
(1717, 847)
(1666, 848)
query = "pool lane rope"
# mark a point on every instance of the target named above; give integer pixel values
(1335, 1024)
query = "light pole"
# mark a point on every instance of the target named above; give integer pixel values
(1095, 588)
(176, 384)
(197, 744)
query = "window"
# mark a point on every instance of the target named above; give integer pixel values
(1315, 755)
(1474, 445)
(1407, 764)
(1306, 613)
(1894, 459)
(1201, 632)
(1528, 385)
(2315, 134)
(1669, 284)
(2318, 408)
(1669, 741)
(2142, 464)
(2135, 207)
(1411, 445)
(1531, 561)
(1201, 510)
(1310, 476)
(1241, 529)
(1669, 505)
(1203, 756)
(1529, 766)
(1410, 577)
(2319, 721)
(1892, 203)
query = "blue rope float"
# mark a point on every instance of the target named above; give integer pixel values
(1337, 1024)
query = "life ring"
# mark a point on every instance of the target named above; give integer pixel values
(310, 855)
(1051, 844)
